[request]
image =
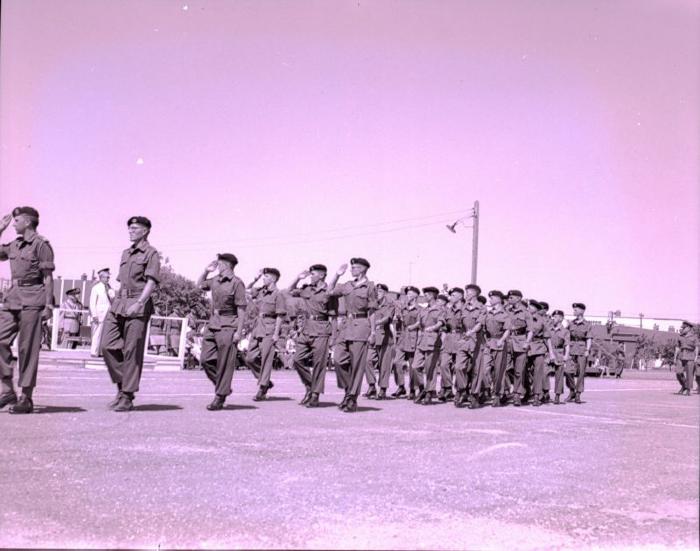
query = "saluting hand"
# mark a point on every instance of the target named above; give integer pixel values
(211, 266)
(303, 275)
(5, 222)
(343, 268)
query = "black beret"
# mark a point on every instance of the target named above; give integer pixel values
(103, 270)
(533, 302)
(515, 293)
(443, 298)
(431, 290)
(73, 291)
(228, 257)
(496, 293)
(412, 288)
(457, 290)
(686, 323)
(558, 313)
(360, 260)
(318, 268)
(580, 305)
(274, 271)
(481, 299)
(140, 220)
(29, 211)
(475, 287)
(545, 305)
(382, 286)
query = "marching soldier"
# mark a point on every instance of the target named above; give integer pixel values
(424, 367)
(266, 332)
(538, 344)
(312, 340)
(407, 318)
(685, 356)
(26, 303)
(452, 330)
(470, 380)
(225, 326)
(520, 335)
(124, 332)
(381, 349)
(497, 325)
(580, 334)
(560, 344)
(544, 313)
(360, 297)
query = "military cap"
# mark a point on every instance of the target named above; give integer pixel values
(496, 293)
(515, 293)
(686, 323)
(73, 291)
(103, 270)
(359, 260)
(27, 211)
(580, 305)
(474, 287)
(431, 290)
(318, 268)
(533, 302)
(228, 257)
(412, 288)
(274, 271)
(382, 286)
(558, 313)
(457, 290)
(545, 305)
(443, 298)
(481, 299)
(140, 220)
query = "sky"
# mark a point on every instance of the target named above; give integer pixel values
(291, 133)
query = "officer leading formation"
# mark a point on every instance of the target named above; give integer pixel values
(492, 351)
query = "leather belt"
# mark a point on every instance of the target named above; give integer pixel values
(578, 338)
(318, 318)
(225, 312)
(27, 282)
(519, 331)
(268, 315)
(129, 293)
(356, 316)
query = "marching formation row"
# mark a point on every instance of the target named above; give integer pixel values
(495, 350)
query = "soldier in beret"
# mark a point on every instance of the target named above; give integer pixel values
(471, 381)
(311, 343)
(580, 336)
(685, 357)
(520, 336)
(272, 308)
(451, 334)
(28, 301)
(538, 344)
(561, 347)
(497, 326)
(225, 326)
(407, 320)
(424, 367)
(381, 349)
(360, 297)
(544, 314)
(124, 331)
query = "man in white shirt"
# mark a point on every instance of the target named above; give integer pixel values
(101, 297)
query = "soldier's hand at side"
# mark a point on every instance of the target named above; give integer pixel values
(237, 336)
(5, 221)
(343, 268)
(47, 313)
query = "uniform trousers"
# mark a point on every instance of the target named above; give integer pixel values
(219, 358)
(311, 350)
(351, 363)
(28, 324)
(403, 358)
(260, 357)
(123, 345)
(576, 373)
(380, 356)
(424, 368)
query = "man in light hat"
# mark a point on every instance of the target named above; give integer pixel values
(123, 340)
(26, 303)
(360, 298)
(272, 308)
(101, 297)
(581, 338)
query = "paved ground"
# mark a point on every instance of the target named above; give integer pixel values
(620, 470)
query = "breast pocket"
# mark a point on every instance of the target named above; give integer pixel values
(137, 267)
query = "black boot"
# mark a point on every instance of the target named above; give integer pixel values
(261, 395)
(449, 395)
(344, 403)
(578, 398)
(428, 398)
(24, 405)
(371, 392)
(557, 401)
(125, 403)
(351, 405)
(400, 392)
(217, 404)
(473, 402)
(114, 402)
(382, 394)
(571, 397)
(420, 396)
(8, 399)
(313, 400)
(306, 398)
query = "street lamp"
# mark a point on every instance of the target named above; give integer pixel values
(475, 234)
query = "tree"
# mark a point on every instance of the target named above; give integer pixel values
(178, 296)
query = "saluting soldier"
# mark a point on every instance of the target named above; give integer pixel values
(26, 303)
(70, 317)
(360, 297)
(497, 325)
(424, 367)
(124, 332)
(470, 380)
(452, 331)
(225, 326)
(580, 334)
(407, 319)
(381, 349)
(271, 309)
(538, 344)
(560, 345)
(311, 343)
(685, 356)
(520, 335)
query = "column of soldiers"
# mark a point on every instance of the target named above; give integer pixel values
(485, 351)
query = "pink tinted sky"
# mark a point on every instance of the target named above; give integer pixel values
(291, 132)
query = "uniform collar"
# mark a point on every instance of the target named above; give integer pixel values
(140, 246)
(224, 277)
(30, 239)
(363, 282)
(578, 321)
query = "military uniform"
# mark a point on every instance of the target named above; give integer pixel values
(424, 367)
(380, 353)
(536, 353)
(31, 259)
(124, 336)
(580, 330)
(407, 316)
(687, 352)
(261, 350)
(312, 340)
(521, 325)
(560, 340)
(496, 323)
(219, 348)
(468, 378)
(452, 333)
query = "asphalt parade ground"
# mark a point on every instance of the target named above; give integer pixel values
(618, 471)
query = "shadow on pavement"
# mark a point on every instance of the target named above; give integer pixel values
(157, 407)
(367, 408)
(232, 407)
(278, 399)
(58, 409)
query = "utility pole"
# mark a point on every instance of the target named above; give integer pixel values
(475, 239)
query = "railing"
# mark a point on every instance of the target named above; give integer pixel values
(166, 338)
(70, 330)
